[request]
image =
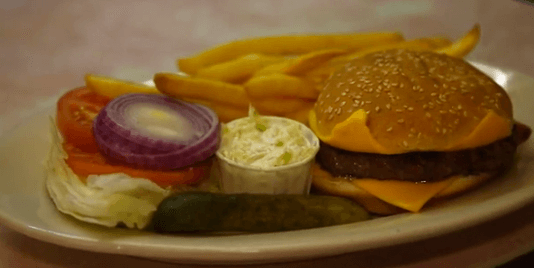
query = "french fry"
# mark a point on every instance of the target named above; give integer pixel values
(226, 113)
(302, 64)
(284, 45)
(415, 44)
(308, 62)
(464, 45)
(178, 86)
(318, 75)
(439, 41)
(280, 86)
(279, 106)
(301, 115)
(238, 70)
(112, 87)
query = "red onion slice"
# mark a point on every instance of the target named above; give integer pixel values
(156, 132)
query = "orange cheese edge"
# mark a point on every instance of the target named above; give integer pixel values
(407, 195)
(491, 128)
(354, 127)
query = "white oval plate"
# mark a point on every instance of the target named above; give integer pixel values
(26, 207)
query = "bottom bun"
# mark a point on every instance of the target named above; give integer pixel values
(341, 186)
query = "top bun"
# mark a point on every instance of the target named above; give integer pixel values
(415, 101)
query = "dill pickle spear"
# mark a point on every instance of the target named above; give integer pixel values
(211, 212)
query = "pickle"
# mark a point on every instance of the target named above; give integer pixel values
(213, 212)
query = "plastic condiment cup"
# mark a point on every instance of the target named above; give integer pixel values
(294, 178)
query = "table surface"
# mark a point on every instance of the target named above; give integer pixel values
(47, 46)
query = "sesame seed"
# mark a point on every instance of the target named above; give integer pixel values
(400, 121)
(389, 129)
(377, 109)
(336, 100)
(428, 114)
(405, 143)
(388, 106)
(410, 108)
(343, 103)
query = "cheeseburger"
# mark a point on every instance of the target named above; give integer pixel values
(399, 127)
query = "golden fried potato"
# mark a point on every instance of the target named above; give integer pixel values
(280, 106)
(277, 85)
(178, 86)
(415, 44)
(284, 45)
(240, 69)
(301, 115)
(112, 87)
(226, 113)
(439, 41)
(310, 61)
(463, 46)
(302, 64)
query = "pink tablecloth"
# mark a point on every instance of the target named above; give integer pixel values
(47, 46)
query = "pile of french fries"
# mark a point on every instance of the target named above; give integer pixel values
(280, 75)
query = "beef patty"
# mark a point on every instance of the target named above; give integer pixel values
(424, 166)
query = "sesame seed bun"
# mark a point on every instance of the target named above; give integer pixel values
(414, 101)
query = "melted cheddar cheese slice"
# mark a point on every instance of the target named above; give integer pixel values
(407, 195)
(491, 128)
(361, 139)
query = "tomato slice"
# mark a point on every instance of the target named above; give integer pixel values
(94, 163)
(75, 112)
